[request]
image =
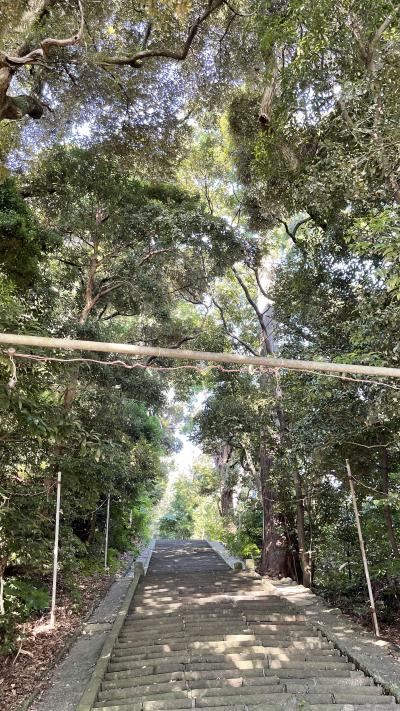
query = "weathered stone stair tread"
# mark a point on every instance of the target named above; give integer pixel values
(199, 635)
(264, 706)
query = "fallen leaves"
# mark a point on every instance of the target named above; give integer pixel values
(31, 667)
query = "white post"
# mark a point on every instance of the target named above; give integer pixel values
(55, 558)
(362, 548)
(106, 542)
(2, 609)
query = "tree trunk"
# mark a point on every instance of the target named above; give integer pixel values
(92, 529)
(90, 301)
(275, 553)
(275, 556)
(301, 532)
(226, 500)
(386, 509)
(269, 99)
(222, 464)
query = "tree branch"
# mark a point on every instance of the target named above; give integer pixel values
(251, 301)
(149, 255)
(45, 46)
(367, 49)
(228, 332)
(257, 276)
(292, 233)
(380, 31)
(15, 107)
(137, 59)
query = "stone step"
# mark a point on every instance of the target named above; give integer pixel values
(325, 664)
(363, 697)
(237, 682)
(240, 664)
(200, 636)
(296, 643)
(242, 691)
(215, 661)
(220, 677)
(159, 649)
(158, 705)
(116, 695)
(141, 666)
(239, 628)
(231, 644)
(139, 679)
(286, 634)
(304, 703)
(314, 683)
(305, 673)
(274, 617)
(236, 700)
(280, 626)
(189, 639)
(180, 690)
(301, 706)
(172, 689)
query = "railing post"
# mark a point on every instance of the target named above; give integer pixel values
(55, 556)
(106, 541)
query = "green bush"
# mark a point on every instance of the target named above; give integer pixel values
(23, 597)
(22, 600)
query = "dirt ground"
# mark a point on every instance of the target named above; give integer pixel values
(30, 667)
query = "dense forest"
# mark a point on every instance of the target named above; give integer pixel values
(222, 175)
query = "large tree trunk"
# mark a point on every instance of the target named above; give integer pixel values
(275, 552)
(222, 462)
(226, 501)
(386, 509)
(275, 555)
(89, 302)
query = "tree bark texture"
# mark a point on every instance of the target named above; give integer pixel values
(386, 509)
(222, 462)
(276, 558)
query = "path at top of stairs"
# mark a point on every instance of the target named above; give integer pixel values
(201, 636)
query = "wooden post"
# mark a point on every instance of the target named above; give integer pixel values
(362, 548)
(106, 542)
(55, 556)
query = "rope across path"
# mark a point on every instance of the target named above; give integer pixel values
(12, 339)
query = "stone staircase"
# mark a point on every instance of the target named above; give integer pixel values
(199, 635)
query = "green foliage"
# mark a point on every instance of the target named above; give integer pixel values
(22, 598)
(22, 240)
(107, 247)
(177, 522)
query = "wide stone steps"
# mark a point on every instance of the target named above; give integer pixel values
(198, 635)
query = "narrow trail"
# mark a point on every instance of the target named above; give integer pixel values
(199, 635)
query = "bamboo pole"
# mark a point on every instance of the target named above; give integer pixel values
(106, 541)
(12, 339)
(362, 548)
(55, 556)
